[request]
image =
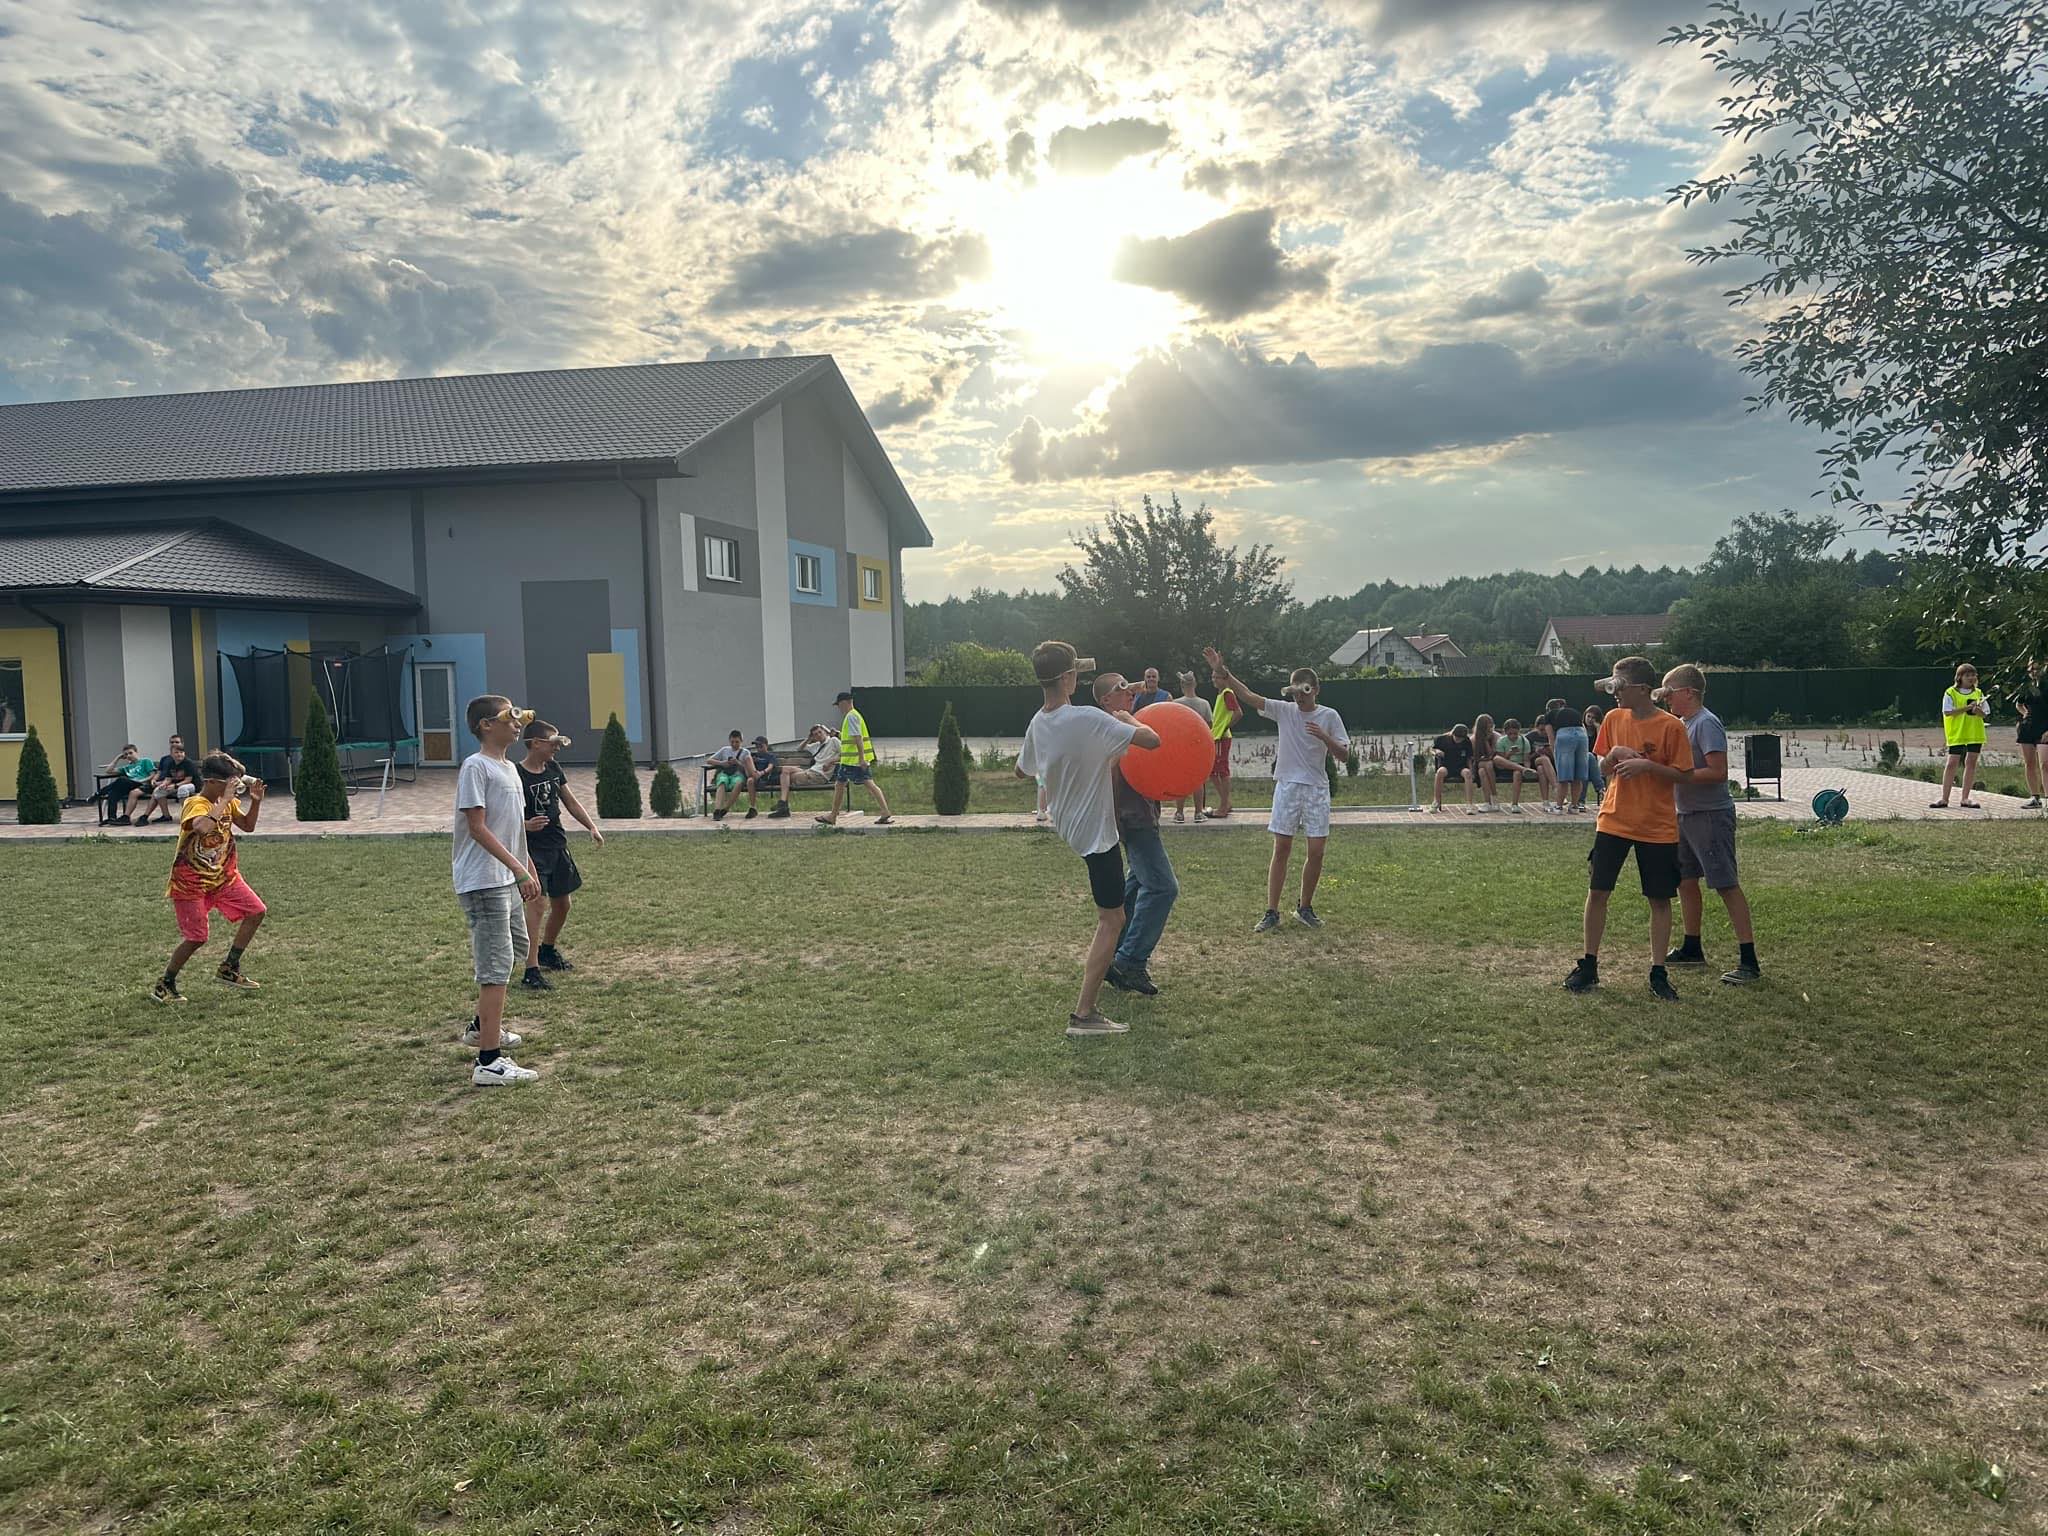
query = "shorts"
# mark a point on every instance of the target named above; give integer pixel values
(497, 932)
(1706, 847)
(850, 773)
(728, 780)
(558, 873)
(1656, 864)
(1221, 769)
(178, 792)
(2029, 732)
(1965, 748)
(1573, 755)
(806, 778)
(233, 901)
(1106, 876)
(1300, 809)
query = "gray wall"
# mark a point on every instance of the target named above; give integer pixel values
(811, 461)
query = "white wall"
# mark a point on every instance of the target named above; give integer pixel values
(147, 682)
(771, 511)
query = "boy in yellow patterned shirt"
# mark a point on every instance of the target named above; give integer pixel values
(206, 876)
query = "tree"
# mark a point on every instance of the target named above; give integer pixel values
(1770, 594)
(665, 792)
(1156, 585)
(1895, 215)
(1760, 547)
(950, 782)
(618, 782)
(35, 787)
(318, 793)
(966, 664)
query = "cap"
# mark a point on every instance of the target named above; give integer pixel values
(1628, 671)
(540, 730)
(760, 741)
(842, 697)
(1054, 659)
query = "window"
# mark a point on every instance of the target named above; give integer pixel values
(13, 698)
(810, 574)
(870, 584)
(721, 558)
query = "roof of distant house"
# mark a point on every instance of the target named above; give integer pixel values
(1613, 628)
(1353, 651)
(202, 561)
(1430, 643)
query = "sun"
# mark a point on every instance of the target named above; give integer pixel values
(1052, 249)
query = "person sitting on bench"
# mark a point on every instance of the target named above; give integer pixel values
(176, 777)
(732, 770)
(130, 773)
(766, 775)
(823, 747)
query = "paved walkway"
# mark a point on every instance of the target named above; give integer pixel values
(424, 808)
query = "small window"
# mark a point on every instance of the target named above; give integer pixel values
(721, 558)
(13, 698)
(809, 573)
(870, 584)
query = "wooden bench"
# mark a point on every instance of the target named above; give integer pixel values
(707, 770)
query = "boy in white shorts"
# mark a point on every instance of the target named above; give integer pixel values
(1309, 732)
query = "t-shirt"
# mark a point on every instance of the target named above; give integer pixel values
(1147, 697)
(1299, 759)
(174, 770)
(1514, 748)
(1457, 755)
(767, 764)
(1132, 808)
(728, 759)
(1199, 705)
(1070, 750)
(1559, 719)
(205, 861)
(1708, 735)
(544, 798)
(493, 784)
(825, 755)
(139, 770)
(1640, 806)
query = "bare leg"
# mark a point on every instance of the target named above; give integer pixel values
(1596, 920)
(1276, 875)
(1223, 794)
(1660, 928)
(535, 911)
(1970, 760)
(1948, 777)
(1738, 913)
(1466, 775)
(838, 799)
(185, 951)
(881, 799)
(1109, 927)
(1691, 908)
(1437, 797)
(2031, 756)
(1312, 870)
(558, 914)
(490, 1013)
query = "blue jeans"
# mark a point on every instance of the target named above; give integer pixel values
(1149, 893)
(1574, 756)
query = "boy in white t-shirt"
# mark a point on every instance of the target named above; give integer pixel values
(494, 880)
(1071, 748)
(1301, 786)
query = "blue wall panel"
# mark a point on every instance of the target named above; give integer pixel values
(827, 595)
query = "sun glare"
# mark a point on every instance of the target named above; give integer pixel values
(1053, 246)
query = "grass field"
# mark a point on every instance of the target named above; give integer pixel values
(817, 1223)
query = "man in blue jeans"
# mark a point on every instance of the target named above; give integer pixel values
(1149, 886)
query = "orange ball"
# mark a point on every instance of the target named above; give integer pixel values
(1179, 765)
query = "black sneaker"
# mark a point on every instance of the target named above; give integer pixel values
(1584, 978)
(534, 981)
(1267, 923)
(1131, 981)
(166, 991)
(1660, 986)
(1117, 979)
(1686, 954)
(551, 959)
(751, 814)
(1742, 975)
(718, 815)
(780, 813)
(1306, 916)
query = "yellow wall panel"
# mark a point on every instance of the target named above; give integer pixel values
(607, 688)
(42, 686)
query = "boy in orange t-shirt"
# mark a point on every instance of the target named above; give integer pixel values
(1637, 812)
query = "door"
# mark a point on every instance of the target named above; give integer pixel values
(433, 691)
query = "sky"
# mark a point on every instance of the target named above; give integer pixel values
(1392, 285)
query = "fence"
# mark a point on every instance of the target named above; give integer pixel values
(1433, 703)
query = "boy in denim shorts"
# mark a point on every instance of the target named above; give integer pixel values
(493, 880)
(1706, 828)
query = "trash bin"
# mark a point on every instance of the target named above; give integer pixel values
(1762, 759)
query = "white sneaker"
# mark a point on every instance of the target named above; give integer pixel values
(508, 1040)
(501, 1073)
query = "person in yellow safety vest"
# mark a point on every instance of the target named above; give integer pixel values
(1222, 717)
(1963, 709)
(856, 760)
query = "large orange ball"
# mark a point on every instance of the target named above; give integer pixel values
(1177, 767)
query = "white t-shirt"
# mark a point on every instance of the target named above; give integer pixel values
(1300, 758)
(825, 754)
(493, 783)
(1070, 750)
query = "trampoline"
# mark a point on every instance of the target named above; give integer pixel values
(360, 692)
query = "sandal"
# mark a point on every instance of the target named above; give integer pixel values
(825, 821)
(882, 821)
(1971, 805)
(1937, 805)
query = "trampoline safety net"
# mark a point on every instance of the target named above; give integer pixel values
(361, 694)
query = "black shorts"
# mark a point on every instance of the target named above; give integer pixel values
(1965, 748)
(1656, 864)
(2029, 732)
(1106, 876)
(558, 873)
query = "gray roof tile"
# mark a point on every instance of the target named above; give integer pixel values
(197, 562)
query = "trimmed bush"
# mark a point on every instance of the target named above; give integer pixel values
(1888, 755)
(618, 784)
(665, 794)
(317, 788)
(1351, 762)
(35, 787)
(1330, 772)
(950, 783)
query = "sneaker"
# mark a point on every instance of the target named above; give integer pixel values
(1079, 1028)
(1686, 954)
(1742, 975)
(1582, 979)
(504, 1072)
(1661, 988)
(1514, 810)
(166, 992)
(1267, 923)
(1306, 916)
(230, 976)
(508, 1039)
(534, 981)
(551, 959)
(2031, 805)
(780, 813)
(751, 814)
(718, 815)
(1131, 981)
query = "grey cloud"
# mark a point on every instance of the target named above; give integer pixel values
(1021, 155)
(1519, 292)
(821, 270)
(1100, 147)
(899, 407)
(391, 311)
(1089, 15)
(722, 353)
(1228, 268)
(1644, 20)
(979, 161)
(1211, 405)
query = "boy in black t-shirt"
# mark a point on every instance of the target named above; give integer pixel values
(1454, 761)
(547, 793)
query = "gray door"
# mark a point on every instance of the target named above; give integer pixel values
(565, 624)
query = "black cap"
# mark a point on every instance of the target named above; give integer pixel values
(760, 741)
(842, 697)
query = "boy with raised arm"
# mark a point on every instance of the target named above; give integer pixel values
(1073, 749)
(1301, 787)
(206, 875)
(493, 880)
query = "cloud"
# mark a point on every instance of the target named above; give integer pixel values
(1088, 15)
(1101, 147)
(1519, 292)
(821, 271)
(1226, 269)
(900, 407)
(1211, 404)
(1021, 155)
(979, 162)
